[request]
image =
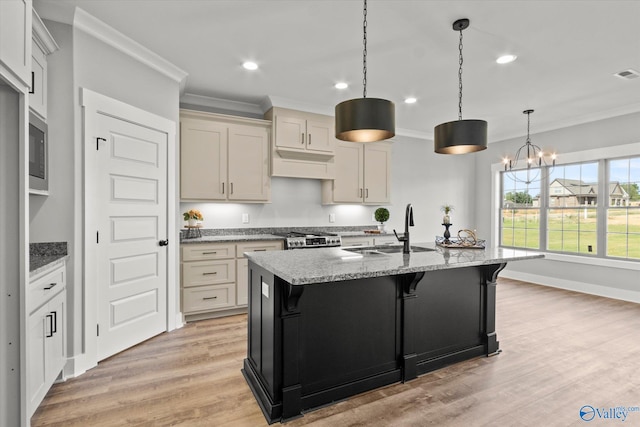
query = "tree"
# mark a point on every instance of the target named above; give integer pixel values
(632, 190)
(520, 197)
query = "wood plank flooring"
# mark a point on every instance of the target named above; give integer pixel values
(560, 350)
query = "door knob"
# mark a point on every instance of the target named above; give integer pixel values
(163, 242)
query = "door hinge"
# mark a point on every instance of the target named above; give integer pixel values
(98, 330)
(98, 139)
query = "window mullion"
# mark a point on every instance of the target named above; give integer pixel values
(544, 205)
(601, 208)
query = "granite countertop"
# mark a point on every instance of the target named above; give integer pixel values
(301, 267)
(251, 234)
(43, 256)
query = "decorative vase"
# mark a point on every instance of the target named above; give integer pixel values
(381, 227)
(446, 219)
(192, 222)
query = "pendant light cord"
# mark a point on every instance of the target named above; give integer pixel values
(460, 79)
(364, 51)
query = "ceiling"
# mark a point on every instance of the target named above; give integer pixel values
(568, 52)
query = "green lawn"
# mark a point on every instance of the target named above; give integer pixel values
(574, 230)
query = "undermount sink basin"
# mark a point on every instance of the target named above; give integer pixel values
(382, 250)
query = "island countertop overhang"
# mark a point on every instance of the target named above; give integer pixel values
(309, 266)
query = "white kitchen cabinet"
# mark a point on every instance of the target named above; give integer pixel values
(15, 38)
(214, 277)
(223, 158)
(43, 44)
(303, 144)
(363, 174)
(357, 241)
(46, 334)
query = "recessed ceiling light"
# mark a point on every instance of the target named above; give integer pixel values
(341, 85)
(505, 59)
(248, 65)
(410, 100)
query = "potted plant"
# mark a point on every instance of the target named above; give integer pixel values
(446, 208)
(381, 215)
(192, 216)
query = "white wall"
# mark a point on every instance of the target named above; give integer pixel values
(419, 176)
(617, 280)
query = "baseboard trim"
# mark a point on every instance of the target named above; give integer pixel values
(571, 285)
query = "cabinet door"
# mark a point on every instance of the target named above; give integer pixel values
(348, 182)
(203, 160)
(208, 298)
(38, 95)
(320, 136)
(242, 282)
(290, 132)
(377, 173)
(15, 37)
(248, 163)
(56, 355)
(357, 241)
(38, 329)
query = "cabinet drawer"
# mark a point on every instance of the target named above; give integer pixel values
(195, 252)
(258, 246)
(357, 241)
(200, 273)
(44, 288)
(208, 298)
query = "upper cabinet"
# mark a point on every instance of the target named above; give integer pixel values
(15, 38)
(223, 158)
(363, 174)
(43, 44)
(303, 144)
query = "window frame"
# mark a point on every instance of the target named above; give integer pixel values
(600, 155)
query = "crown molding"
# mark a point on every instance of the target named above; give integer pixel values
(222, 104)
(92, 26)
(42, 36)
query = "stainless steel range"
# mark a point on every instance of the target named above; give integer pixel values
(310, 239)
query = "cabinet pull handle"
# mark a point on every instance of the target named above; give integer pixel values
(223, 188)
(209, 274)
(302, 138)
(367, 194)
(51, 285)
(54, 322)
(205, 298)
(360, 192)
(259, 250)
(309, 139)
(50, 334)
(33, 83)
(209, 253)
(231, 191)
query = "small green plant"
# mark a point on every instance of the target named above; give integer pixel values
(381, 214)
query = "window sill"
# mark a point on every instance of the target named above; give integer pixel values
(602, 262)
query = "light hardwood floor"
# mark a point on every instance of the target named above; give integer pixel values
(560, 350)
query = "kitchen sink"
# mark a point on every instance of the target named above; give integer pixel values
(382, 250)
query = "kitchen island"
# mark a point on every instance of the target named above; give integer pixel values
(326, 324)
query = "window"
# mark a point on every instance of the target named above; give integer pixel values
(589, 208)
(623, 213)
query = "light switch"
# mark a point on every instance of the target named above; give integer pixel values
(245, 218)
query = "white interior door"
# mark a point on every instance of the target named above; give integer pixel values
(132, 221)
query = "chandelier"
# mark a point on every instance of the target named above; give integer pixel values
(537, 161)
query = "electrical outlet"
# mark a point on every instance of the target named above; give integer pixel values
(332, 217)
(373, 217)
(245, 218)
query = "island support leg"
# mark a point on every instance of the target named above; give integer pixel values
(490, 282)
(291, 389)
(409, 284)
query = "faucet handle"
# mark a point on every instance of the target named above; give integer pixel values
(400, 239)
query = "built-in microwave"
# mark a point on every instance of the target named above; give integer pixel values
(38, 153)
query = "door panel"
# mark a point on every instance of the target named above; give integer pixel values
(132, 199)
(348, 185)
(248, 163)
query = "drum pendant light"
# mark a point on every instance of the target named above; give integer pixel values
(365, 119)
(460, 136)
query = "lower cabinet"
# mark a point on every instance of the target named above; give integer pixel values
(46, 335)
(369, 240)
(215, 277)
